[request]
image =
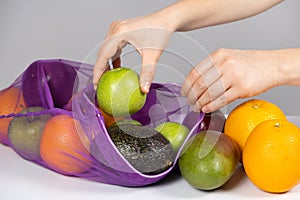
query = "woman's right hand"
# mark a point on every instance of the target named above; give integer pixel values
(149, 35)
(230, 74)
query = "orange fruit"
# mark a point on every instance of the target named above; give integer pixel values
(69, 104)
(271, 156)
(246, 116)
(108, 119)
(11, 101)
(82, 135)
(61, 147)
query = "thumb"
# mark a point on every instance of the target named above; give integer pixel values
(149, 61)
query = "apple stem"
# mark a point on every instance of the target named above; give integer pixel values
(110, 64)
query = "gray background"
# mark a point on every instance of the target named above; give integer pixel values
(32, 30)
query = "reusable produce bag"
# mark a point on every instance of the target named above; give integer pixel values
(64, 87)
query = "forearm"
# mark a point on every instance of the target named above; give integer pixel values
(188, 15)
(287, 62)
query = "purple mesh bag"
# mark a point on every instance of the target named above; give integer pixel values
(64, 87)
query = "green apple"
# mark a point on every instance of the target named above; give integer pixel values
(25, 133)
(119, 93)
(174, 132)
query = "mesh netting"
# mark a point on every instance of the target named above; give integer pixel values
(64, 88)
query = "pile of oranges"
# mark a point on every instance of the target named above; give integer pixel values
(61, 147)
(269, 145)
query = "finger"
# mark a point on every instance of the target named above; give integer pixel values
(101, 63)
(202, 84)
(194, 75)
(107, 50)
(149, 61)
(196, 90)
(99, 69)
(213, 92)
(227, 97)
(112, 28)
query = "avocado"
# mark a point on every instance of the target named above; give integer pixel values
(143, 147)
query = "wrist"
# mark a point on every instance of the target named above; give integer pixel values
(288, 66)
(169, 18)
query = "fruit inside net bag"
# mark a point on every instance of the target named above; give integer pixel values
(50, 116)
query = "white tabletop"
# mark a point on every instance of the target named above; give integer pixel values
(21, 179)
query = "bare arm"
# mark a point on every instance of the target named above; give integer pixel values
(184, 15)
(188, 15)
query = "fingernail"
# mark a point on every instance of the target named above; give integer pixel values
(205, 109)
(145, 87)
(95, 87)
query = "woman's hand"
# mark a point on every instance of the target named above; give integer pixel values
(149, 35)
(227, 75)
(220, 79)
